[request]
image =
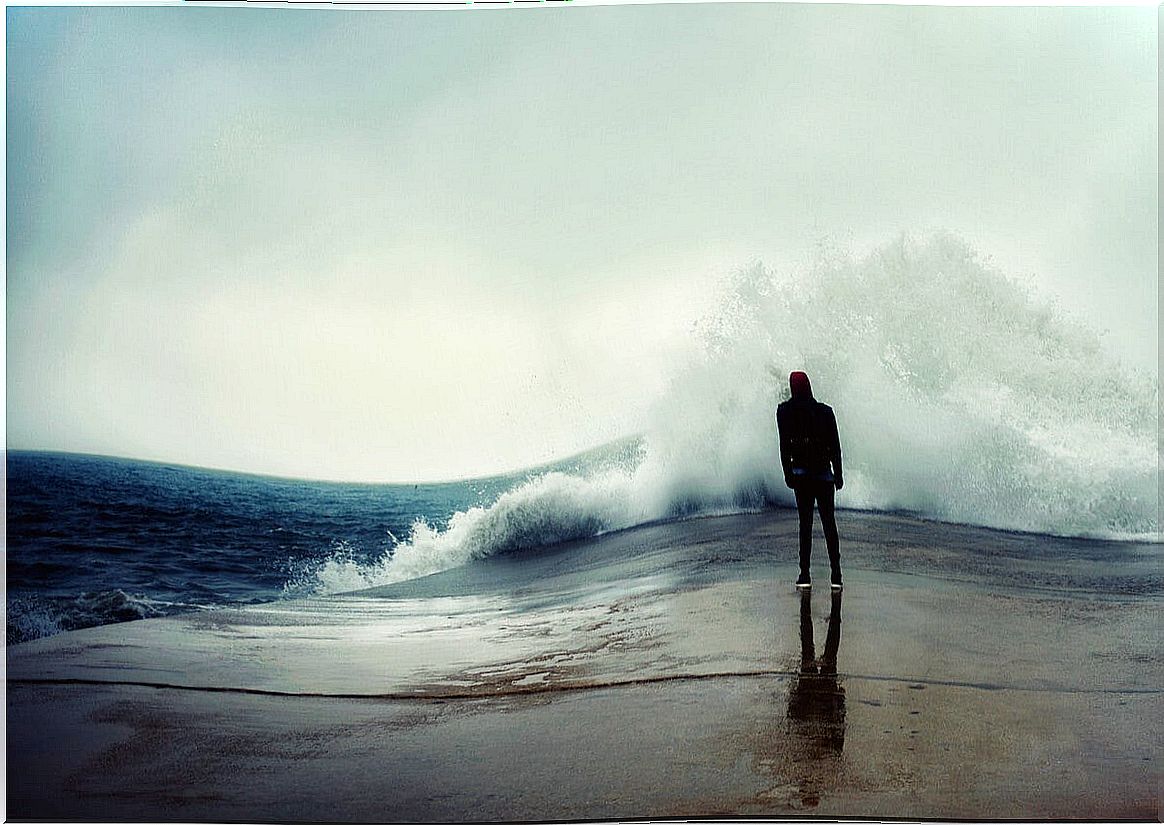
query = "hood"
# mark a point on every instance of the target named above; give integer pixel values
(801, 389)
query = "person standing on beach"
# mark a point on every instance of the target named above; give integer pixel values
(810, 453)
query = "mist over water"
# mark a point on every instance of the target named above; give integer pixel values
(959, 397)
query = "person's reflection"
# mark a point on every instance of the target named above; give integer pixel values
(816, 704)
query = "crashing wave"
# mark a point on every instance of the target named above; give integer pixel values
(34, 617)
(958, 395)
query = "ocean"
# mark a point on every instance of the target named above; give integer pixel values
(96, 540)
(93, 540)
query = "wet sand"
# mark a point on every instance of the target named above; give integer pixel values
(666, 671)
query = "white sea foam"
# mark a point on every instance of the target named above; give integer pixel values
(33, 617)
(958, 395)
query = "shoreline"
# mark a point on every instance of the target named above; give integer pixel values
(665, 671)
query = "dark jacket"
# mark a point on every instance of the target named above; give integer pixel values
(810, 448)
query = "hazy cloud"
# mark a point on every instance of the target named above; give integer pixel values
(427, 244)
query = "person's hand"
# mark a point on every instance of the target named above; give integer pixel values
(840, 482)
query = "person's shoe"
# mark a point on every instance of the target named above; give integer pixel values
(803, 582)
(836, 583)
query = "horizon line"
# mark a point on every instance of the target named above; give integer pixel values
(320, 479)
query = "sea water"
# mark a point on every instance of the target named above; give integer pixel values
(959, 397)
(93, 540)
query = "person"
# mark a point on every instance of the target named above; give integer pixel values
(810, 454)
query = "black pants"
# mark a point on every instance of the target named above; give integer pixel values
(822, 493)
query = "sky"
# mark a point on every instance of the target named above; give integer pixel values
(417, 245)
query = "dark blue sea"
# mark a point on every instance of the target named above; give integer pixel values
(94, 540)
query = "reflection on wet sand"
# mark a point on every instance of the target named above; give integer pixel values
(815, 719)
(801, 749)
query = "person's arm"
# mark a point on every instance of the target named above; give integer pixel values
(838, 475)
(785, 444)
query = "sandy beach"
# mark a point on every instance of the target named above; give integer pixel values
(666, 671)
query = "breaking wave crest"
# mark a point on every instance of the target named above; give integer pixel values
(32, 617)
(959, 397)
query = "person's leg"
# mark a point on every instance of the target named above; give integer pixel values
(828, 520)
(804, 500)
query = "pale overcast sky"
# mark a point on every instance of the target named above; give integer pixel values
(407, 245)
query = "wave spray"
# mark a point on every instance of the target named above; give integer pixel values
(958, 396)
